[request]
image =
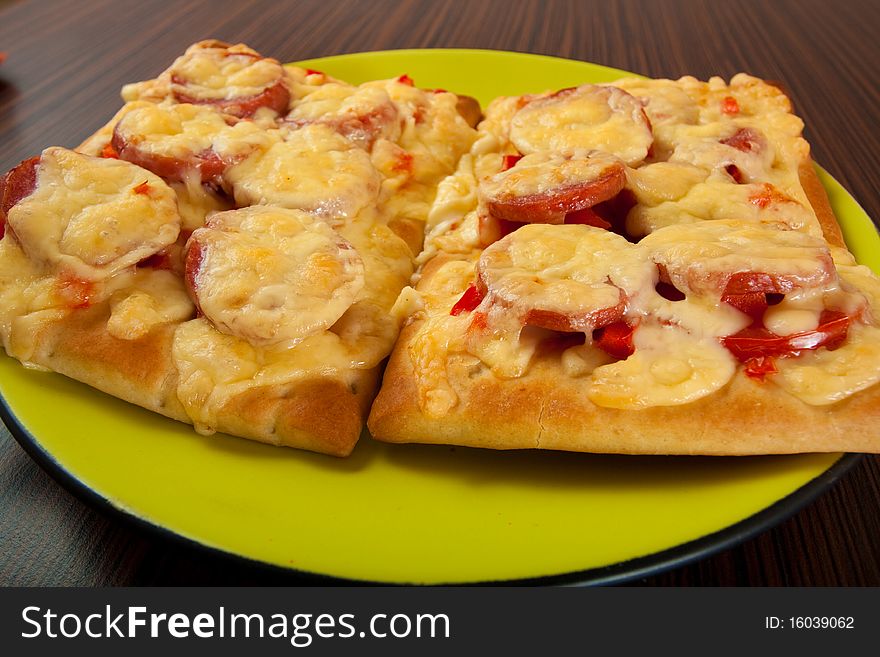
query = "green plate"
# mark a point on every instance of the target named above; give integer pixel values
(412, 513)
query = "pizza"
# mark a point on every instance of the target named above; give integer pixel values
(228, 249)
(639, 267)
(644, 266)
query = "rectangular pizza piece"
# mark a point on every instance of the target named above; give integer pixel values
(643, 267)
(228, 248)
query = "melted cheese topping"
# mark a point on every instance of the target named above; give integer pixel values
(766, 226)
(273, 276)
(823, 377)
(313, 169)
(433, 133)
(183, 131)
(195, 202)
(505, 346)
(542, 174)
(439, 335)
(664, 101)
(224, 73)
(572, 271)
(701, 257)
(783, 320)
(361, 114)
(317, 167)
(26, 294)
(581, 360)
(712, 200)
(95, 144)
(659, 182)
(592, 117)
(704, 148)
(148, 298)
(669, 367)
(93, 217)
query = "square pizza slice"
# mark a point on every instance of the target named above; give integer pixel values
(643, 267)
(227, 250)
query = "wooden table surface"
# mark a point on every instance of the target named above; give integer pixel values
(67, 60)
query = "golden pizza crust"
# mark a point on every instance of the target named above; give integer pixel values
(818, 198)
(138, 371)
(321, 414)
(545, 410)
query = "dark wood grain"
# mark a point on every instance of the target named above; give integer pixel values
(67, 60)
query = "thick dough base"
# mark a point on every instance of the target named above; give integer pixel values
(543, 410)
(322, 414)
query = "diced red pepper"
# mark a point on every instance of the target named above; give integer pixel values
(747, 292)
(615, 339)
(405, 79)
(143, 188)
(109, 152)
(729, 105)
(746, 140)
(760, 367)
(311, 71)
(468, 301)
(509, 161)
(758, 341)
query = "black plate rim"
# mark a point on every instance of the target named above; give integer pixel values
(612, 574)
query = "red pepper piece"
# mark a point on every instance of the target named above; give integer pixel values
(509, 161)
(745, 140)
(747, 292)
(760, 367)
(468, 301)
(143, 188)
(758, 341)
(405, 79)
(109, 152)
(729, 105)
(403, 162)
(615, 339)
